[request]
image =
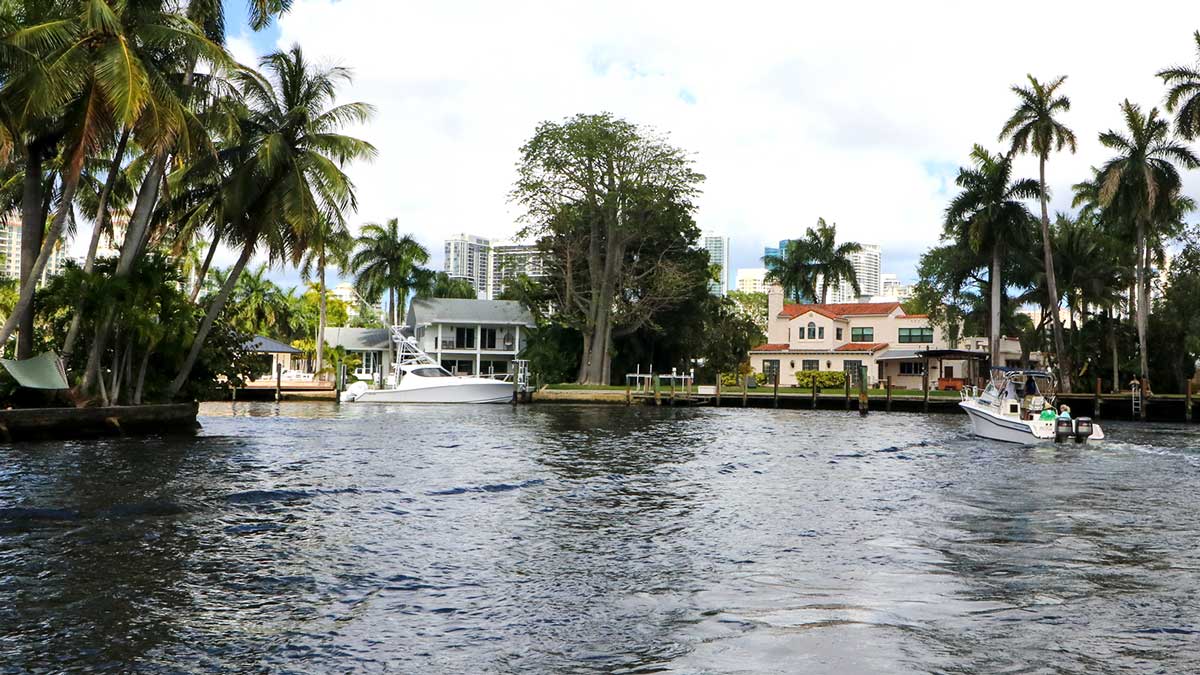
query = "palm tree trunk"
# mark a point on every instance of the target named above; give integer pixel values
(33, 224)
(1142, 310)
(392, 304)
(321, 310)
(996, 288)
(214, 309)
(23, 310)
(89, 262)
(141, 378)
(1064, 358)
(212, 251)
(1112, 338)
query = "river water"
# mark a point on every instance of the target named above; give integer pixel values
(554, 538)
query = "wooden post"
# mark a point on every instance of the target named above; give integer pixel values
(718, 390)
(1187, 403)
(815, 391)
(775, 398)
(657, 391)
(863, 403)
(1145, 397)
(889, 393)
(278, 380)
(925, 387)
(847, 388)
(1097, 399)
(672, 386)
(744, 387)
(628, 391)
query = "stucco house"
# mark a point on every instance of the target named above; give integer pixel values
(845, 336)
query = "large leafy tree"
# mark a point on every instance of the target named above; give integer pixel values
(988, 217)
(1034, 127)
(611, 203)
(1141, 185)
(284, 167)
(387, 262)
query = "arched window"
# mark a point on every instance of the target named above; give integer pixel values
(812, 331)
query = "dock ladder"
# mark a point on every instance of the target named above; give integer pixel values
(1136, 398)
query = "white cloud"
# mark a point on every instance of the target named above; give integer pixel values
(857, 112)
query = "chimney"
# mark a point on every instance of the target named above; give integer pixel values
(774, 307)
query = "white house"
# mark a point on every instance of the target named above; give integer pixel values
(846, 336)
(470, 336)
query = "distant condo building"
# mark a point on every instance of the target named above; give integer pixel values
(10, 250)
(776, 250)
(889, 286)
(346, 292)
(867, 264)
(489, 265)
(718, 254)
(752, 280)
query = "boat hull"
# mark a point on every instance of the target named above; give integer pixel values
(469, 392)
(986, 424)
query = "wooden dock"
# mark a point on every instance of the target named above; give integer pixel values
(62, 423)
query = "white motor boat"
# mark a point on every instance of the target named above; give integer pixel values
(420, 379)
(1018, 406)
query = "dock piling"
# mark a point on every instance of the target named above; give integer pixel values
(816, 390)
(717, 390)
(672, 386)
(278, 381)
(847, 389)
(1187, 403)
(775, 397)
(889, 393)
(745, 385)
(863, 401)
(1097, 399)
(925, 390)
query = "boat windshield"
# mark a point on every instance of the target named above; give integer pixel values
(430, 372)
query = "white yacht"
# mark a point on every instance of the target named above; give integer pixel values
(1018, 406)
(420, 379)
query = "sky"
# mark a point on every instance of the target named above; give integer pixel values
(860, 113)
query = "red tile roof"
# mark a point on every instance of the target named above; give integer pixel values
(771, 347)
(838, 310)
(861, 347)
(916, 316)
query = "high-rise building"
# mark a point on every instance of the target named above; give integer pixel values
(752, 280)
(509, 260)
(776, 250)
(489, 264)
(718, 254)
(346, 292)
(10, 250)
(867, 265)
(467, 258)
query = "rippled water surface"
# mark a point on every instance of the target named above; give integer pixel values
(546, 538)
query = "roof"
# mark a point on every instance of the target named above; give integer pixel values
(771, 347)
(359, 339)
(839, 310)
(463, 310)
(861, 347)
(265, 345)
(899, 355)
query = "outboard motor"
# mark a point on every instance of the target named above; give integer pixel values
(1063, 429)
(1083, 429)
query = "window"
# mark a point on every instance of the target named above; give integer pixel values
(367, 362)
(853, 370)
(821, 332)
(812, 331)
(459, 366)
(912, 368)
(862, 334)
(430, 372)
(487, 338)
(916, 335)
(811, 364)
(771, 369)
(464, 338)
(837, 333)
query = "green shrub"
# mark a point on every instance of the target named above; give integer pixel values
(825, 379)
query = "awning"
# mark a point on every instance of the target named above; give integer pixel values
(899, 355)
(952, 354)
(44, 371)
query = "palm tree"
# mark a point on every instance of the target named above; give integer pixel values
(1142, 186)
(1034, 128)
(1183, 95)
(830, 261)
(443, 285)
(330, 243)
(100, 68)
(792, 269)
(261, 305)
(387, 262)
(284, 172)
(988, 217)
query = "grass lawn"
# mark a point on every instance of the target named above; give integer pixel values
(730, 391)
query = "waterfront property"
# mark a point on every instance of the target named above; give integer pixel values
(878, 335)
(470, 337)
(371, 347)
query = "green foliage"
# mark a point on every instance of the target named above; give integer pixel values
(386, 262)
(553, 352)
(752, 306)
(816, 255)
(824, 379)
